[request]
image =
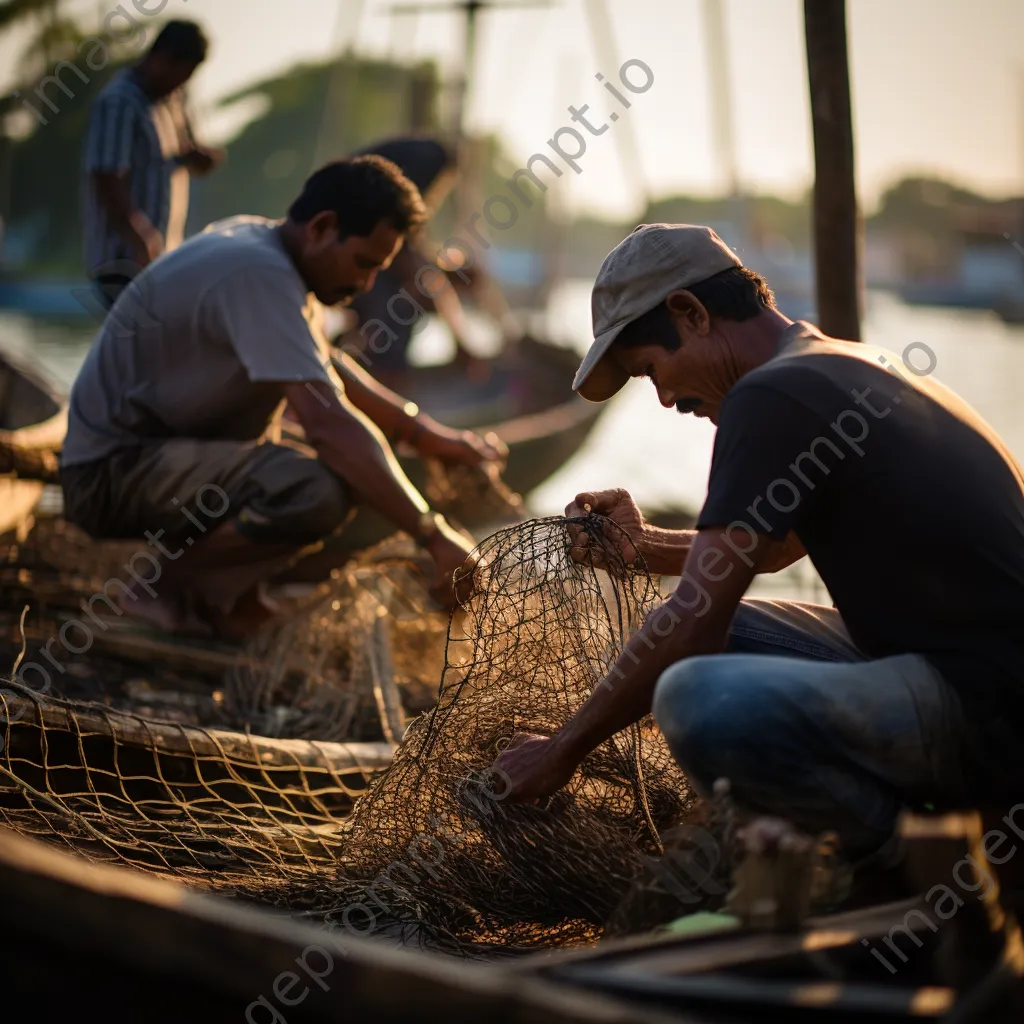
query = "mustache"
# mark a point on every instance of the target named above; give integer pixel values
(687, 405)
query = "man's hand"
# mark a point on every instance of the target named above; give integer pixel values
(201, 161)
(453, 575)
(621, 509)
(147, 245)
(533, 767)
(461, 447)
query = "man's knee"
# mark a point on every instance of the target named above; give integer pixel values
(710, 712)
(324, 507)
(300, 501)
(685, 707)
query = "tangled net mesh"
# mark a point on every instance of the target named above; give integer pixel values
(432, 853)
(353, 667)
(319, 676)
(428, 853)
(217, 809)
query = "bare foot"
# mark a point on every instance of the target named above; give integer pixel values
(170, 613)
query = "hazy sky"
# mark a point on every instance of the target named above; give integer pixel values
(938, 85)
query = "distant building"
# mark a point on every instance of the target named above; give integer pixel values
(948, 247)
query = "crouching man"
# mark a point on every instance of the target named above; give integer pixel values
(911, 688)
(171, 420)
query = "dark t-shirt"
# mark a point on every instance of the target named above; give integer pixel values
(908, 504)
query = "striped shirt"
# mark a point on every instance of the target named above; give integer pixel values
(129, 132)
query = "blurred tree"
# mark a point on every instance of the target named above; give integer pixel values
(54, 39)
(267, 161)
(13, 11)
(45, 206)
(924, 204)
(769, 216)
(308, 120)
(928, 219)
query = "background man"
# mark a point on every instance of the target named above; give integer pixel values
(172, 413)
(139, 152)
(911, 688)
(433, 168)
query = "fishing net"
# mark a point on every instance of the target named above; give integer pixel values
(218, 767)
(432, 853)
(358, 654)
(215, 808)
(356, 665)
(429, 852)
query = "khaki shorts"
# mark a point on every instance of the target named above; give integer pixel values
(275, 493)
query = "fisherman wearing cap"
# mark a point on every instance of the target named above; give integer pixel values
(910, 690)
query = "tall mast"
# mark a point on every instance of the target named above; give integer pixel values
(464, 86)
(470, 9)
(720, 82)
(342, 80)
(467, 193)
(603, 37)
(837, 274)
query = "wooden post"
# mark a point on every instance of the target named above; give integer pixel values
(835, 197)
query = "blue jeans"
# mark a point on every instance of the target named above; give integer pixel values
(806, 728)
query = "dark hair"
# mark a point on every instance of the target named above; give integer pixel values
(734, 294)
(361, 192)
(182, 41)
(422, 159)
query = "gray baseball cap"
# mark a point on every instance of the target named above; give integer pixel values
(641, 271)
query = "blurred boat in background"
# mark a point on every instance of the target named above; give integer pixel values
(524, 396)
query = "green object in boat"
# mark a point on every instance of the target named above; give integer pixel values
(703, 921)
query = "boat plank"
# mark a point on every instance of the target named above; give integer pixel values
(172, 950)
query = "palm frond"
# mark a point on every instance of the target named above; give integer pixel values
(12, 11)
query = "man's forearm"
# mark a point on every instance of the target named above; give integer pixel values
(364, 461)
(441, 297)
(625, 695)
(352, 446)
(396, 416)
(114, 195)
(665, 551)
(449, 309)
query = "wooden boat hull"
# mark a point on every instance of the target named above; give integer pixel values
(527, 401)
(123, 946)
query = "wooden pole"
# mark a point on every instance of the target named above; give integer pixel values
(835, 198)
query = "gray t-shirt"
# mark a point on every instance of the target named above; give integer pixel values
(200, 345)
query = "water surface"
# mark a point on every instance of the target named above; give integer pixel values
(661, 457)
